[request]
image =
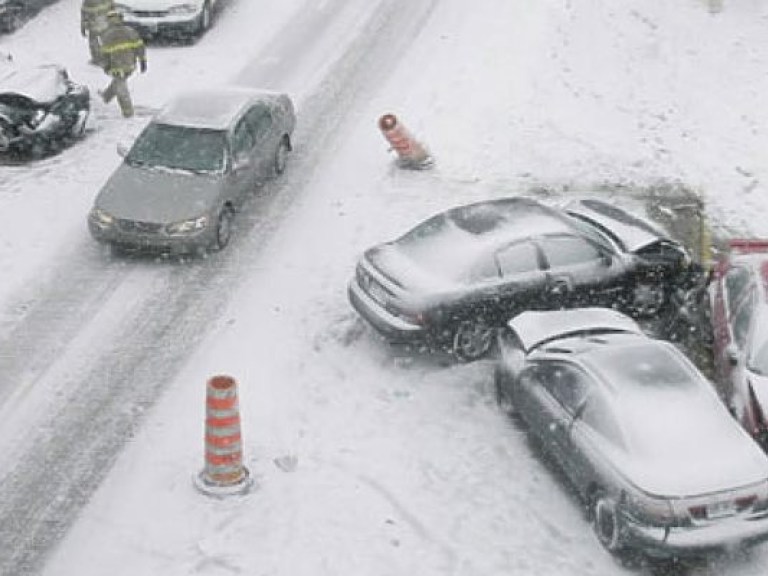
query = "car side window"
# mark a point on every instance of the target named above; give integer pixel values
(517, 258)
(598, 416)
(242, 140)
(567, 384)
(260, 120)
(566, 250)
(742, 320)
(736, 281)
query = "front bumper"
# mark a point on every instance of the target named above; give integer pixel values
(710, 537)
(118, 234)
(158, 24)
(393, 328)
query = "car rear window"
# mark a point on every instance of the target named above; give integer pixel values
(645, 367)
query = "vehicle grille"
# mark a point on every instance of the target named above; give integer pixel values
(150, 13)
(133, 227)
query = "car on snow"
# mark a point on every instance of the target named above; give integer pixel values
(456, 277)
(739, 296)
(191, 168)
(41, 109)
(637, 430)
(13, 13)
(171, 18)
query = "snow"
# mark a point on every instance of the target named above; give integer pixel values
(402, 464)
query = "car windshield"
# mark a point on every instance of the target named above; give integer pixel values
(179, 148)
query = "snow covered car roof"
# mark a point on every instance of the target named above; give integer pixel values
(536, 328)
(215, 108)
(44, 83)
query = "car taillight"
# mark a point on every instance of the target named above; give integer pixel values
(654, 511)
(698, 512)
(745, 502)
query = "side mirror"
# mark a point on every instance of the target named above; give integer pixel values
(122, 150)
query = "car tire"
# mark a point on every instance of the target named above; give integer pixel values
(606, 523)
(281, 156)
(472, 340)
(647, 298)
(224, 228)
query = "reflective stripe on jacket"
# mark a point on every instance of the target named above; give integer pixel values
(121, 47)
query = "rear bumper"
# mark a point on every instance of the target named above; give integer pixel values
(697, 540)
(393, 328)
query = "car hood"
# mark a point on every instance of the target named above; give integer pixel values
(153, 5)
(692, 447)
(42, 84)
(150, 195)
(633, 232)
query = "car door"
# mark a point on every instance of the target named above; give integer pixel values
(244, 171)
(739, 327)
(521, 277)
(731, 290)
(578, 272)
(263, 127)
(556, 392)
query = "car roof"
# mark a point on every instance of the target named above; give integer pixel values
(215, 108)
(507, 219)
(537, 328)
(629, 231)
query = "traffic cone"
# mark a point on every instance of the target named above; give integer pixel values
(411, 154)
(224, 473)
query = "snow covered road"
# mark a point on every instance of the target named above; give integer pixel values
(404, 465)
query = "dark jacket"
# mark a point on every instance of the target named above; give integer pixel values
(122, 47)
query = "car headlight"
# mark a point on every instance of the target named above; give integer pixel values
(187, 226)
(102, 218)
(183, 9)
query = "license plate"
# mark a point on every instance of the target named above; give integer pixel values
(721, 509)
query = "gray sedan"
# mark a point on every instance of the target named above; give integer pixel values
(640, 433)
(192, 167)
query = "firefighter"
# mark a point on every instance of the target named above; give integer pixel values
(93, 23)
(121, 48)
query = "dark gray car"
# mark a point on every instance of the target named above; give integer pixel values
(640, 433)
(192, 167)
(456, 277)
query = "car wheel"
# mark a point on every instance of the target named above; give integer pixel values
(647, 298)
(224, 228)
(472, 340)
(281, 157)
(606, 523)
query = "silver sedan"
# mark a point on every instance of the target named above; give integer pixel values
(192, 168)
(641, 434)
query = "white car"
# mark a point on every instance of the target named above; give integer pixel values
(173, 18)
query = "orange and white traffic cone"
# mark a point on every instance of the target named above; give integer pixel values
(224, 473)
(411, 154)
